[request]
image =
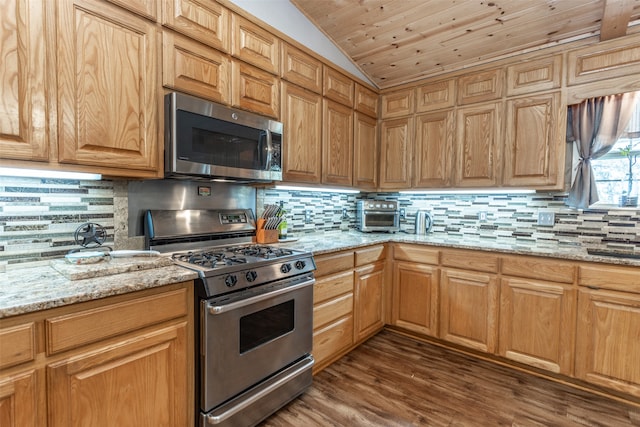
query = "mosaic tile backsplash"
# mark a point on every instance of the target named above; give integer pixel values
(39, 216)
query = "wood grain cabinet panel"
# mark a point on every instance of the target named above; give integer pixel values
(535, 75)
(191, 67)
(415, 297)
(23, 81)
(23, 344)
(331, 341)
(478, 143)
(436, 96)
(534, 142)
(301, 69)
(416, 253)
(331, 310)
(471, 260)
(302, 120)
(365, 152)
(108, 103)
(607, 341)
(19, 399)
(255, 90)
(333, 263)
(254, 45)
(616, 278)
(370, 255)
(480, 86)
(206, 22)
(366, 101)
(552, 270)
(537, 323)
(332, 286)
(398, 103)
(604, 61)
(368, 307)
(396, 141)
(149, 9)
(433, 150)
(337, 144)
(337, 86)
(469, 309)
(139, 381)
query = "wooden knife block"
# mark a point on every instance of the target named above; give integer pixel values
(265, 236)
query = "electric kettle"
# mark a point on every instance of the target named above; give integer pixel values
(423, 222)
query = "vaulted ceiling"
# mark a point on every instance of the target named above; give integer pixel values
(398, 41)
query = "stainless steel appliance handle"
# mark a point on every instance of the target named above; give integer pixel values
(219, 309)
(269, 151)
(217, 419)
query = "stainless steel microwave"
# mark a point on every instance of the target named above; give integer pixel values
(208, 140)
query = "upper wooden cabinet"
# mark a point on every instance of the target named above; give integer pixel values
(398, 103)
(478, 143)
(480, 86)
(536, 75)
(366, 101)
(365, 152)
(302, 119)
(107, 74)
(149, 9)
(338, 87)
(534, 142)
(337, 144)
(194, 68)
(254, 45)
(436, 96)
(255, 90)
(396, 139)
(302, 69)
(433, 149)
(207, 22)
(23, 81)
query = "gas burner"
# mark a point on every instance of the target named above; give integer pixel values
(209, 259)
(260, 251)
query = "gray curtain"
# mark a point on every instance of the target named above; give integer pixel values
(595, 124)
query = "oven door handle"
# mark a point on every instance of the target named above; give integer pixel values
(219, 309)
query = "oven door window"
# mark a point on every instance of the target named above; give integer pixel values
(379, 219)
(266, 325)
(216, 142)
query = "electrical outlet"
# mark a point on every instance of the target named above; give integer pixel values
(403, 213)
(307, 216)
(546, 218)
(482, 215)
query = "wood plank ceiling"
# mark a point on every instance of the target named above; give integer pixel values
(398, 41)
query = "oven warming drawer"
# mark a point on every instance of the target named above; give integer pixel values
(257, 403)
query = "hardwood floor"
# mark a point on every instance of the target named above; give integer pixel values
(392, 380)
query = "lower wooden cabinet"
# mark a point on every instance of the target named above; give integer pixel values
(369, 289)
(415, 297)
(19, 397)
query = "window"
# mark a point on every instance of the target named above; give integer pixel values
(619, 170)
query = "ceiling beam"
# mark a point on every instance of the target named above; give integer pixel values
(615, 18)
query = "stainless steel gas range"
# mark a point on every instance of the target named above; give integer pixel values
(255, 304)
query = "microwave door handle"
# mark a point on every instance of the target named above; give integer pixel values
(267, 165)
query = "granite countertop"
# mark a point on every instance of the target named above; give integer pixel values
(57, 284)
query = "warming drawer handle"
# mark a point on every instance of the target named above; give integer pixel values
(219, 309)
(217, 419)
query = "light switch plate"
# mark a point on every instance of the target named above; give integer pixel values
(546, 218)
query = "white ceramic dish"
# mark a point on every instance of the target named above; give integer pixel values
(80, 258)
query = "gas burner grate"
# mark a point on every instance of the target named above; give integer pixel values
(260, 251)
(209, 259)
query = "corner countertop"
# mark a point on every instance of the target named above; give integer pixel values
(39, 288)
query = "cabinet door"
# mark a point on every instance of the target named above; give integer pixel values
(479, 131)
(207, 22)
(194, 68)
(481, 86)
(369, 288)
(366, 101)
(469, 309)
(436, 96)
(141, 381)
(608, 340)
(108, 99)
(337, 144)
(396, 139)
(433, 149)
(254, 45)
(537, 320)
(302, 120)
(337, 86)
(23, 81)
(365, 152)
(301, 69)
(146, 8)
(398, 103)
(255, 90)
(415, 297)
(534, 144)
(19, 401)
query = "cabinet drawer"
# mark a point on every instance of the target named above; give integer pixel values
(332, 286)
(470, 260)
(332, 310)
(332, 339)
(626, 279)
(22, 348)
(537, 268)
(73, 330)
(415, 253)
(370, 255)
(333, 263)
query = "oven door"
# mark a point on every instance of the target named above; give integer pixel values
(244, 340)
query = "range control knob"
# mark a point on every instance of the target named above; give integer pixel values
(285, 268)
(230, 280)
(251, 276)
(300, 264)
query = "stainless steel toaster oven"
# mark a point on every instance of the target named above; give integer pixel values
(377, 216)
